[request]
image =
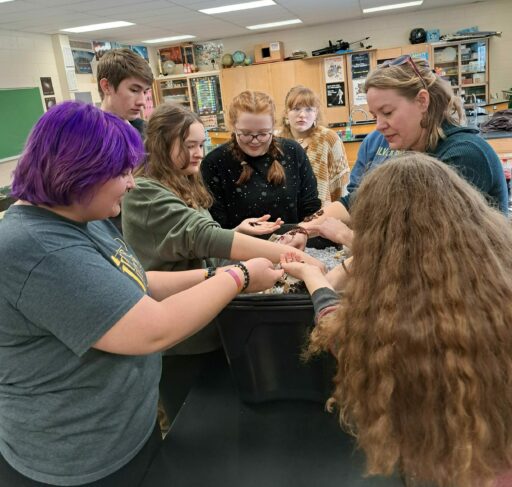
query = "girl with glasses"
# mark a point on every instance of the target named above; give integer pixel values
(301, 122)
(167, 223)
(257, 173)
(416, 110)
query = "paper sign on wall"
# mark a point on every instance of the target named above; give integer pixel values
(335, 94)
(333, 70)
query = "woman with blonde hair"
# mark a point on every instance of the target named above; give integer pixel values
(166, 222)
(257, 173)
(417, 110)
(301, 122)
(422, 334)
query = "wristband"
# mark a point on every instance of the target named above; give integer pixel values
(345, 267)
(209, 272)
(234, 275)
(246, 275)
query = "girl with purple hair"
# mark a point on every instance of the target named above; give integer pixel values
(82, 323)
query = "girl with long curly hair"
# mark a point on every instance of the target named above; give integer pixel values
(422, 334)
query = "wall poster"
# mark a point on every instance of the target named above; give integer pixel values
(334, 69)
(360, 66)
(335, 94)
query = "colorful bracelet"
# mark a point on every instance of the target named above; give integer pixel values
(247, 277)
(234, 275)
(209, 272)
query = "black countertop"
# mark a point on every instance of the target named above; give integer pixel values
(216, 440)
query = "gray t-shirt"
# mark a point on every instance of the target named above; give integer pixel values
(69, 414)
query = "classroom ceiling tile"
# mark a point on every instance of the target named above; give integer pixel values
(161, 18)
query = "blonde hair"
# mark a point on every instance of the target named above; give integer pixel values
(258, 103)
(299, 97)
(444, 105)
(424, 331)
(169, 125)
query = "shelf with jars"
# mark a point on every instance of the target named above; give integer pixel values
(199, 92)
(465, 64)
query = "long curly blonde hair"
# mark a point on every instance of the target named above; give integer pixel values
(423, 335)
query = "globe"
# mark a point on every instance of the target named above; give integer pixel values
(168, 67)
(227, 60)
(239, 57)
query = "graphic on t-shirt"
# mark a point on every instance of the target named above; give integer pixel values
(387, 152)
(128, 264)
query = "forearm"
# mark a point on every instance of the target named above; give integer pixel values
(152, 326)
(315, 281)
(165, 284)
(247, 247)
(334, 210)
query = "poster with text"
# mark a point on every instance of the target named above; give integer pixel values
(335, 94)
(360, 65)
(333, 69)
(359, 96)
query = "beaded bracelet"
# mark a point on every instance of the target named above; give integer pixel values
(246, 275)
(209, 272)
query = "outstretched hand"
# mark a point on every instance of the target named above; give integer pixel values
(293, 264)
(259, 226)
(334, 230)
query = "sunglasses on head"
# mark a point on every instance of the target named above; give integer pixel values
(399, 61)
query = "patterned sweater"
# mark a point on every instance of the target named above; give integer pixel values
(329, 162)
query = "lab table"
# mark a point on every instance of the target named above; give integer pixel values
(217, 440)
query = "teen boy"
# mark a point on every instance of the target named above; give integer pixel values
(123, 81)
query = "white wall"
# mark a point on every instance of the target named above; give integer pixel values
(393, 30)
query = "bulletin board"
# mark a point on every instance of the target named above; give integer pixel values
(21, 108)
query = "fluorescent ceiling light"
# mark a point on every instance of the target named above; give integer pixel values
(106, 25)
(391, 7)
(5, 1)
(168, 39)
(274, 24)
(237, 6)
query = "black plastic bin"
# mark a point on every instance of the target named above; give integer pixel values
(263, 336)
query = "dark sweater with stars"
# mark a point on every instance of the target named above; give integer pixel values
(293, 200)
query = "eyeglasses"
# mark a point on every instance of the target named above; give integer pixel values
(403, 60)
(248, 138)
(308, 110)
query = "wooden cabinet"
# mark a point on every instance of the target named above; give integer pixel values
(416, 51)
(465, 64)
(277, 78)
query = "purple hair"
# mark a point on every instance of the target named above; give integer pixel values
(72, 148)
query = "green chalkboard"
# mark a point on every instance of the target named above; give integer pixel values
(20, 109)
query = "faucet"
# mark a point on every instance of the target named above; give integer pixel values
(355, 110)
